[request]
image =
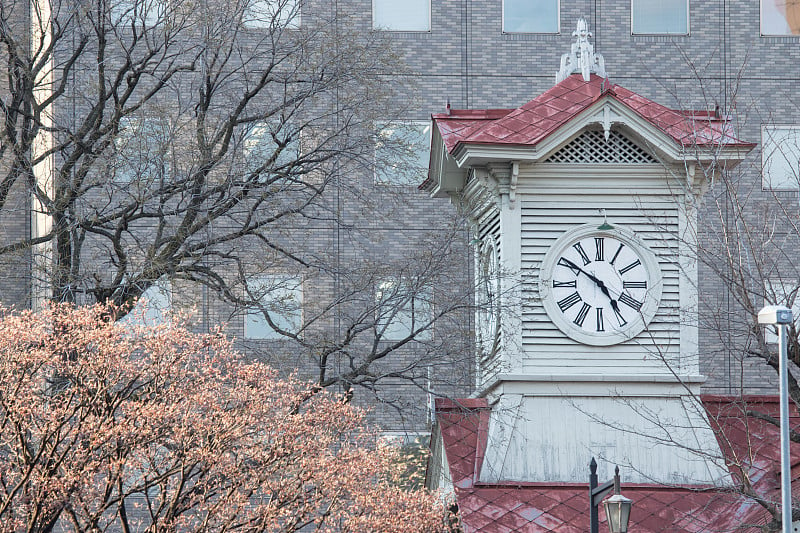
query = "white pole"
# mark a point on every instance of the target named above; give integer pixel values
(786, 480)
(781, 316)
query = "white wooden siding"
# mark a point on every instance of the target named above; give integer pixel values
(643, 200)
(667, 439)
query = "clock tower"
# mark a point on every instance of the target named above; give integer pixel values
(584, 208)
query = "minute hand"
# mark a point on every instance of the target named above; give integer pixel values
(597, 281)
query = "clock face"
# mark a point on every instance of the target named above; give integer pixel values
(600, 287)
(488, 301)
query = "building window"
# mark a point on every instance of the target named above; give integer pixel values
(660, 17)
(142, 148)
(406, 15)
(153, 306)
(780, 157)
(780, 17)
(780, 292)
(403, 310)
(531, 16)
(147, 13)
(402, 153)
(272, 14)
(279, 297)
(264, 141)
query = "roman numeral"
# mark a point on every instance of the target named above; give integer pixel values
(598, 248)
(634, 284)
(569, 301)
(630, 267)
(563, 262)
(572, 284)
(633, 303)
(582, 314)
(599, 313)
(616, 254)
(582, 253)
(620, 318)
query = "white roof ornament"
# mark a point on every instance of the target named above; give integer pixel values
(581, 57)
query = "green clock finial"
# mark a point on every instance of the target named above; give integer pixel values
(605, 225)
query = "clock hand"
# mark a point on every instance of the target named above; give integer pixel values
(603, 288)
(597, 281)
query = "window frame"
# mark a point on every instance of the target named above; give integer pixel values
(390, 29)
(507, 32)
(254, 314)
(293, 23)
(123, 12)
(387, 327)
(147, 312)
(761, 31)
(151, 131)
(377, 178)
(676, 34)
(766, 183)
(250, 143)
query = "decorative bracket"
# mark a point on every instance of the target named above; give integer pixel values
(606, 118)
(512, 190)
(581, 57)
(505, 177)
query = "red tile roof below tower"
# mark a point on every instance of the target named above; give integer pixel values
(508, 507)
(534, 121)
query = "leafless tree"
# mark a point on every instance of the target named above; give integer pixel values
(746, 242)
(211, 142)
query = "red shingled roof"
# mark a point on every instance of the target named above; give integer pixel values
(512, 507)
(543, 115)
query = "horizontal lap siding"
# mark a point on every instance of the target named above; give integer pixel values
(545, 217)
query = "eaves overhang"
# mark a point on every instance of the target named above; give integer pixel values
(714, 143)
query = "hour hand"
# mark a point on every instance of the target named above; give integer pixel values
(602, 286)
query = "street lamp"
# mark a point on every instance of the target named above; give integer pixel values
(618, 507)
(781, 316)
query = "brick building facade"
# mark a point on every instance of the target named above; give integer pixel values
(737, 57)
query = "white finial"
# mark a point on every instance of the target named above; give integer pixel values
(581, 57)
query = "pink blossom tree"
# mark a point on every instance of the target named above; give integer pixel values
(107, 427)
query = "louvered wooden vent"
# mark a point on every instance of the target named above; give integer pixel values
(592, 147)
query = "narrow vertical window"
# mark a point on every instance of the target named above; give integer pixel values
(780, 157)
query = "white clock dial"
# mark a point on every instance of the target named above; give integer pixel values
(600, 287)
(488, 300)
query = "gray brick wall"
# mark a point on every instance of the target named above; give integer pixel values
(724, 61)
(466, 59)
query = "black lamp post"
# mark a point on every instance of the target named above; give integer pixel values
(618, 507)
